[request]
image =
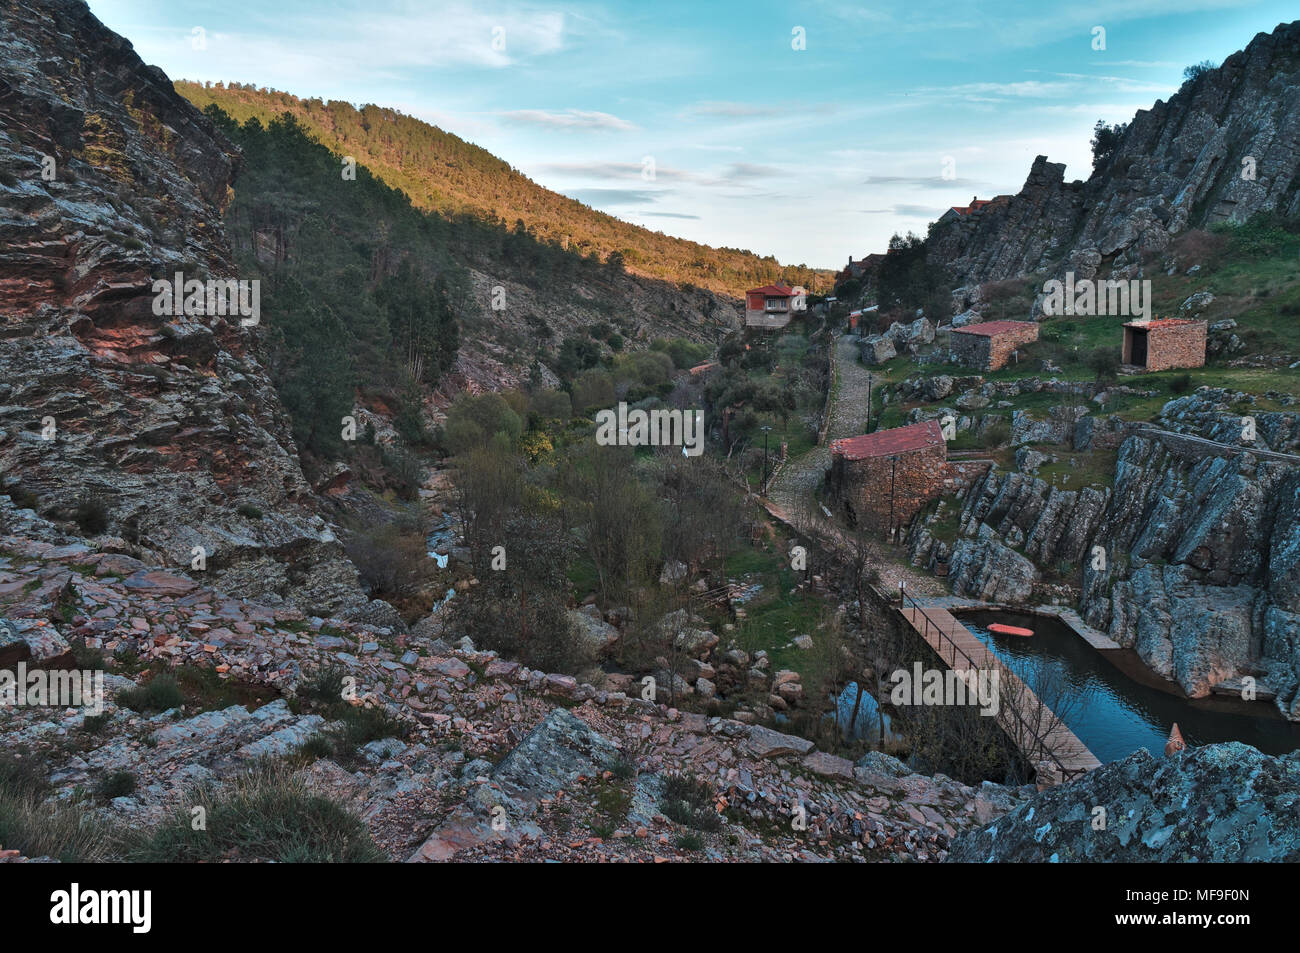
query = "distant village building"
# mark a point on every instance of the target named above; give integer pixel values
(976, 205)
(862, 314)
(989, 346)
(856, 269)
(1163, 343)
(771, 306)
(883, 479)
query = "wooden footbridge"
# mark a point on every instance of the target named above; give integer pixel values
(1054, 750)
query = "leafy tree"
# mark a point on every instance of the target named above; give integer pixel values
(520, 610)
(473, 422)
(310, 365)
(1105, 139)
(615, 516)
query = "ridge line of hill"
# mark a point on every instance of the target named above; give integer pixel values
(440, 172)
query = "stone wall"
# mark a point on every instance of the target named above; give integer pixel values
(1179, 345)
(970, 350)
(863, 486)
(992, 352)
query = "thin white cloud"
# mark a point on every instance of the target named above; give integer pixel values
(600, 197)
(614, 170)
(907, 211)
(580, 120)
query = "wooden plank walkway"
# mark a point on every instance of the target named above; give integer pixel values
(1064, 753)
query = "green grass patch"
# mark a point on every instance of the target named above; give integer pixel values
(159, 693)
(266, 815)
(1082, 468)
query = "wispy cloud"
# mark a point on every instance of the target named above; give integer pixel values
(907, 211)
(923, 181)
(745, 171)
(600, 197)
(615, 170)
(581, 120)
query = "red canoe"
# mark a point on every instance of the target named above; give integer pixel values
(1009, 629)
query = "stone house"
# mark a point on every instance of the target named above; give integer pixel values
(989, 346)
(1163, 343)
(771, 306)
(883, 479)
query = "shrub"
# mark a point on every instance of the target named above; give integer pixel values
(689, 841)
(23, 498)
(94, 724)
(160, 693)
(1181, 383)
(391, 558)
(116, 784)
(65, 830)
(688, 801)
(91, 514)
(402, 472)
(266, 815)
(324, 686)
(248, 511)
(996, 434)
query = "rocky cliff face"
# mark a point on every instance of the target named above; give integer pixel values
(1201, 551)
(1223, 803)
(160, 434)
(1222, 149)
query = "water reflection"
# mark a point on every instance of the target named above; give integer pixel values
(869, 720)
(1118, 715)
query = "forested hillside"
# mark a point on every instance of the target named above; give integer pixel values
(444, 173)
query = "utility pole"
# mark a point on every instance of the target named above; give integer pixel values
(765, 431)
(893, 468)
(869, 378)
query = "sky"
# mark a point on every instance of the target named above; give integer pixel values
(809, 130)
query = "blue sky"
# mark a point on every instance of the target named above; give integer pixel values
(701, 119)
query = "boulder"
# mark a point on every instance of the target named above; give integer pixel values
(765, 743)
(876, 349)
(595, 635)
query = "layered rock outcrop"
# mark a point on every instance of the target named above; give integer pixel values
(1192, 558)
(1224, 803)
(161, 432)
(1221, 149)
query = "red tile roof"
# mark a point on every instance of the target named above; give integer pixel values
(775, 291)
(992, 328)
(1161, 323)
(884, 443)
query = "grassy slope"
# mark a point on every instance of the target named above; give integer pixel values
(441, 172)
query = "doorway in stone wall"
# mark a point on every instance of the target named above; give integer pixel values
(1138, 357)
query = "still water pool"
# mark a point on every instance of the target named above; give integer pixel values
(1113, 703)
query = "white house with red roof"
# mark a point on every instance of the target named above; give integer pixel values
(771, 306)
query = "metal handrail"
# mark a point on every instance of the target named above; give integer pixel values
(1066, 773)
